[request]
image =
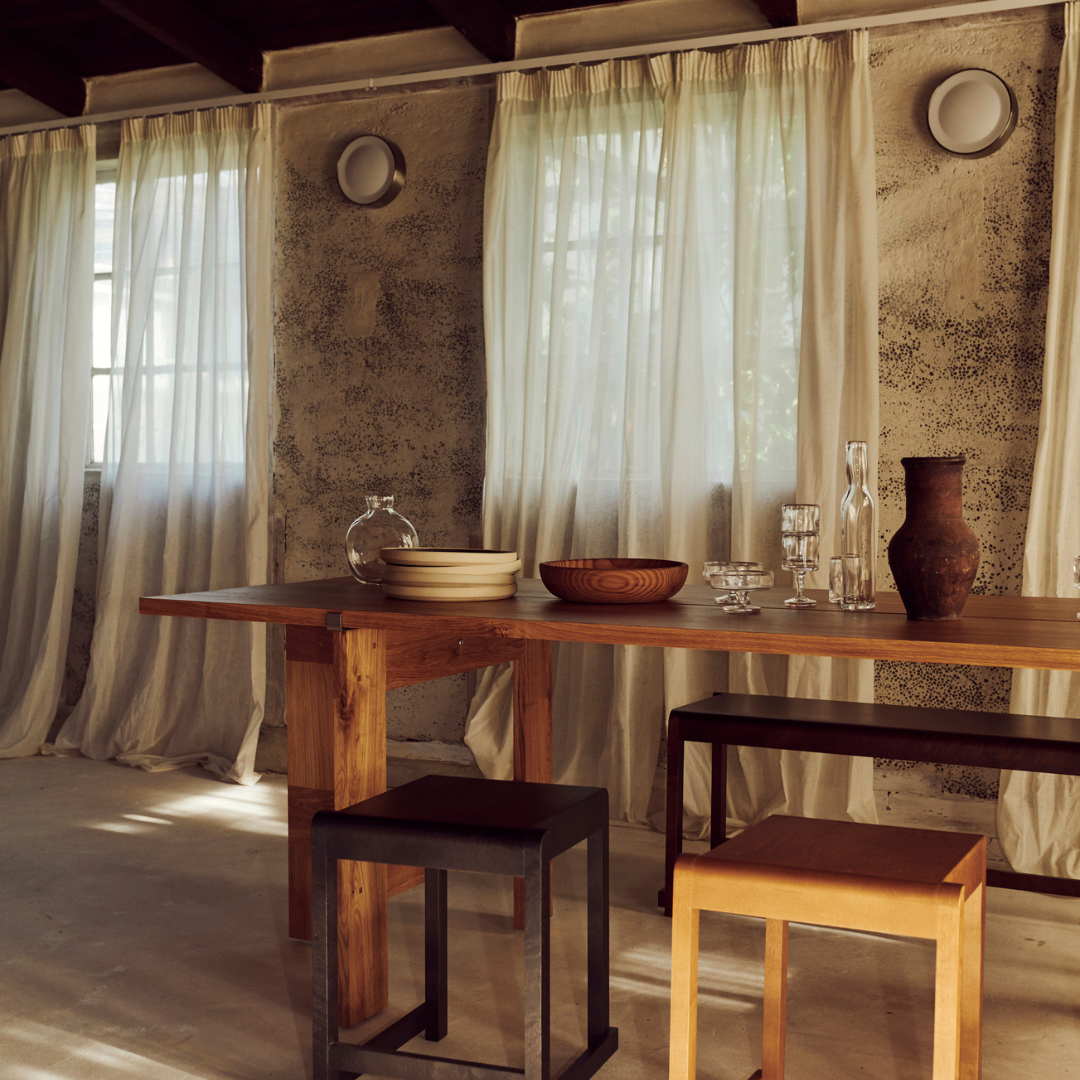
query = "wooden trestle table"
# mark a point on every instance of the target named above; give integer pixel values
(347, 644)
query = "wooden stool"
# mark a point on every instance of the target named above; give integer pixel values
(489, 827)
(877, 878)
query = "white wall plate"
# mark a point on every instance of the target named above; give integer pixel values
(972, 113)
(370, 171)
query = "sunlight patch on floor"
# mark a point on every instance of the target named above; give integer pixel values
(96, 1060)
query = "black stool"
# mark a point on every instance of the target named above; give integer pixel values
(487, 826)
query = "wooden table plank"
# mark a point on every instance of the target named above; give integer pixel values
(987, 635)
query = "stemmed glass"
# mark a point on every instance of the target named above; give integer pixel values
(1076, 576)
(799, 535)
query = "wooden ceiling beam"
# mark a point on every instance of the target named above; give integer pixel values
(780, 12)
(27, 70)
(486, 26)
(194, 34)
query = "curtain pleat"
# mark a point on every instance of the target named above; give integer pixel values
(184, 487)
(646, 232)
(1038, 816)
(46, 305)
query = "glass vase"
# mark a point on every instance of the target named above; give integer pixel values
(858, 532)
(380, 526)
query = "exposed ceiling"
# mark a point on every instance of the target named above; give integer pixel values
(48, 48)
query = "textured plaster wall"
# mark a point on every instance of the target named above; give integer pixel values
(964, 247)
(379, 343)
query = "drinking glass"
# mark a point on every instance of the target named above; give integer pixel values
(1076, 576)
(853, 576)
(836, 585)
(799, 535)
(740, 583)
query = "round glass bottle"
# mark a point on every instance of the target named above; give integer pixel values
(380, 526)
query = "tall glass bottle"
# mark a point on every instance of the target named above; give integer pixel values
(380, 527)
(858, 530)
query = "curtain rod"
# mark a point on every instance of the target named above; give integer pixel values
(866, 22)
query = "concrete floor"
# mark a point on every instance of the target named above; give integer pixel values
(144, 935)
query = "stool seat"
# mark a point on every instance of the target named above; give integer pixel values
(929, 856)
(456, 823)
(877, 878)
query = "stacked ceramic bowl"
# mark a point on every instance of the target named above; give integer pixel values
(448, 574)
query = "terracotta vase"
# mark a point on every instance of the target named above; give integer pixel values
(934, 555)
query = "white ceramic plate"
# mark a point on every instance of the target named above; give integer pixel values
(445, 593)
(432, 575)
(446, 575)
(419, 556)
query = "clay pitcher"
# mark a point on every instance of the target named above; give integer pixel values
(934, 555)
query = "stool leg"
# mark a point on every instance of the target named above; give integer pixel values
(538, 969)
(598, 936)
(776, 954)
(673, 840)
(435, 953)
(324, 959)
(947, 995)
(684, 987)
(971, 973)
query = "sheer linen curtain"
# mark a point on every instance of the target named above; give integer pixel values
(185, 483)
(1038, 816)
(646, 230)
(46, 304)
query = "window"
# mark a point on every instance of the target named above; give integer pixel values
(194, 342)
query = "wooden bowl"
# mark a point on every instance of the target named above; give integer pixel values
(613, 581)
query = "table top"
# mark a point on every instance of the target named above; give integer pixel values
(995, 631)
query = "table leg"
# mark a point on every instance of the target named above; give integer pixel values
(337, 757)
(532, 732)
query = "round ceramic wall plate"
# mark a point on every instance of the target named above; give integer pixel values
(370, 171)
(972, 113)
(446, 575)
(451, 593)
(420, 556)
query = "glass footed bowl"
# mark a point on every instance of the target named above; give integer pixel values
(709, 569)
(740, 583)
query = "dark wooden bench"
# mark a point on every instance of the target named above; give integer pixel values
(1047, 744)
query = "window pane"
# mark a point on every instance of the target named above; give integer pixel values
(102, 359)
(104, 206)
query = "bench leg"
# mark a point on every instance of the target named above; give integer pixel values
(674, 817)
(599, 962)
(776, 956)
(718, 823)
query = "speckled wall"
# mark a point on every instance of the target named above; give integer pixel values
(379, 343)
(84, 605)
(964, 247)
